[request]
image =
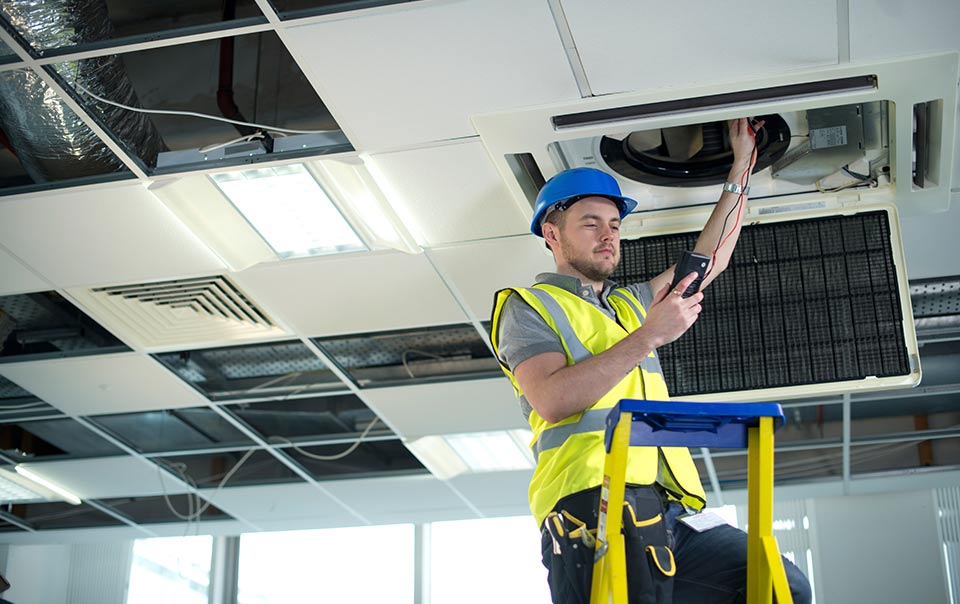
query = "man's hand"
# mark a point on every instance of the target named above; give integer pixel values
(743, 141)
(671, 315)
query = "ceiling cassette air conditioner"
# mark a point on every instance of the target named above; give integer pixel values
(831, 134)
(844, 150)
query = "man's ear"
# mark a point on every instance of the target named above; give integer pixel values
(549, 231)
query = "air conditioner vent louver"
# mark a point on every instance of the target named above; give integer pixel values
(183, 311)
(215, 296)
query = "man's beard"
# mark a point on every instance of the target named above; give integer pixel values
(593, 271)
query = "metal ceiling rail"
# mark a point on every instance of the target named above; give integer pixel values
(836, 443)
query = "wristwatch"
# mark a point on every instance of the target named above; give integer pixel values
(735, 188)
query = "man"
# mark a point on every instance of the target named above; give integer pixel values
(575, 344)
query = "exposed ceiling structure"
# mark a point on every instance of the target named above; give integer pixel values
(162, 354)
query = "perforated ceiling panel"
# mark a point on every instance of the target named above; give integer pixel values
(803, 302)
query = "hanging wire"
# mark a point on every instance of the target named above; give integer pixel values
(205, 116)
(406, 353)
(335, 456)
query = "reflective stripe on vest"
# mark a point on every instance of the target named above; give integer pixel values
(591, 420)
(577, 350)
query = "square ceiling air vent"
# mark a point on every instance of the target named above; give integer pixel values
(166, 314)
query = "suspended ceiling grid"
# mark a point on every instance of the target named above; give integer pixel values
(402, 82)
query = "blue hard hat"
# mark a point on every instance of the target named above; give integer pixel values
(571, 185)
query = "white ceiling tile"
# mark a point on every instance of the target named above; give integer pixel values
(890, 28)
(115, 233)
(451, 407)
(115, 383)
(400, 499)
(15, 278)
(626, 46)
(449, 193)
(415, 73)
(281, 502)
(106, 477)
(353, 294)
(480, 268)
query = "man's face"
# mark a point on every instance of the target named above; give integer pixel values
(589, 239)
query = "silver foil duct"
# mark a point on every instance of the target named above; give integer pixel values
(50, 140)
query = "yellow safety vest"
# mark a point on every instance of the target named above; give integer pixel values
(570, 453)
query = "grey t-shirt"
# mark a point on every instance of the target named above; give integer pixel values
(523, 332)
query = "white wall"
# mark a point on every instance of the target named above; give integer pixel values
(37, 574)
(877, 549)
(68, 574)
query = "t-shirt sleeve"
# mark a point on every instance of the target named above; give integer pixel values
(644, 292)
(524, 334)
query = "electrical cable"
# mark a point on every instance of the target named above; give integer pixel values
(335, 456)
(744, 183)
(403, 359)
(217, 118)
(240, 139)
(194, 514)
(24, 406)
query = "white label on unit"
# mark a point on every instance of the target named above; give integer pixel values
(822, 138)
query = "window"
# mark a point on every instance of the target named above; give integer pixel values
(362, 565)
(170, 569)
(488, 560)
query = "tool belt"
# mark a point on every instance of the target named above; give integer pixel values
(569, 539)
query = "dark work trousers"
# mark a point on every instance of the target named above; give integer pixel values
(711, 566)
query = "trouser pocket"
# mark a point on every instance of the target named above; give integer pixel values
(650, 563)
(569, 538)
(568, 546)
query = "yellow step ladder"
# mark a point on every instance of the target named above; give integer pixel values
(686, 424)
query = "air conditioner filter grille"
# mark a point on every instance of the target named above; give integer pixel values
(802, 302)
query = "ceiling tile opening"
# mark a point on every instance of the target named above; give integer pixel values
(166, 508)
(256, 372)
(294, 9)
(45, 325)
(172, 430)
(54, 515)
(57, 27)
(249, 79)
(17, 403)
(368, 460)
(52, 439)
(416, 355)
(337, 417)
(42, 138)
(210, 470)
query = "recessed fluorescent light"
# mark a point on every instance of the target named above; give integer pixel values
(14, 489)
(289, 209)
(454, 454)
(40, 480)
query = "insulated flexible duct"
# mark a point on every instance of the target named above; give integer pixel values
(49, 139)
